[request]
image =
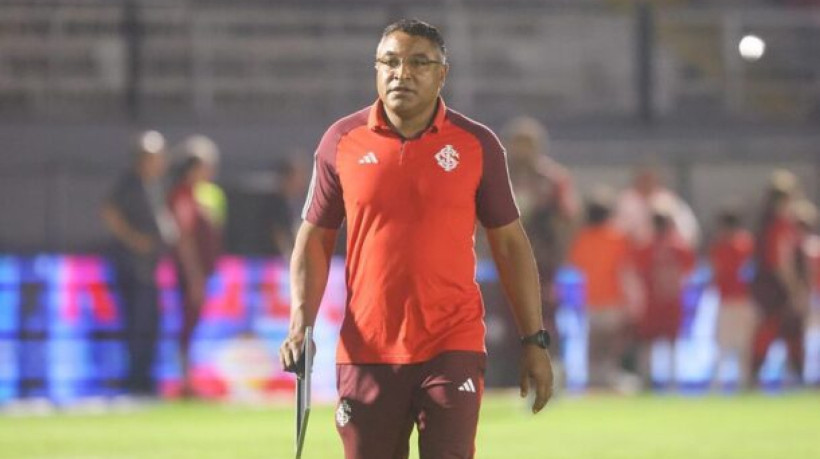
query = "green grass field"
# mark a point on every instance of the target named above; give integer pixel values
(594, 427)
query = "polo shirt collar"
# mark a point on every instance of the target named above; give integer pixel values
(376, 120)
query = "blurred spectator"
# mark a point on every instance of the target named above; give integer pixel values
(265, 208)
(136, 215)
(198, 205)
(776, 281)
(285, 204)
(602, 253)
(633, 213)
(545, 195)
(730, 254)
(663, 265)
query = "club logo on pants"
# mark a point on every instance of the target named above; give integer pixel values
(343, 413)
(447, 158)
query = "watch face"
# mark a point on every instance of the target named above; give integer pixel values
(543, 339)
(540, 339)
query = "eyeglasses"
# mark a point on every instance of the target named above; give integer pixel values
(413, 63)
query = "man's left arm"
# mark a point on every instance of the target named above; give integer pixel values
(517, 271)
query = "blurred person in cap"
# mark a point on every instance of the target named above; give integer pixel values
(546, 198)
(603, 254)
(633, 211)
(199, 209)
(776, 284)
(136, 214)
(663, 264)
(730, 255)
(412, 177)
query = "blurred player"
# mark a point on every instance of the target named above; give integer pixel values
(775, 287)
(662, 265)
(411, 177)
(602, 252)
(198, 205)
(729, 254)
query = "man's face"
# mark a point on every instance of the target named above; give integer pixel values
(410, 72)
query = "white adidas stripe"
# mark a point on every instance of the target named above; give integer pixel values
(468, 386)
(369, 158)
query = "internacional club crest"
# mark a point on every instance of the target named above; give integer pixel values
(447, 158)
(343, 413)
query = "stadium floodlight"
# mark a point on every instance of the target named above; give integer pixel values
(303, 369)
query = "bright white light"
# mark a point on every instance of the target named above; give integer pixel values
(751, 47)
(152, 142)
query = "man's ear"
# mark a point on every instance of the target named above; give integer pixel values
(445, 69)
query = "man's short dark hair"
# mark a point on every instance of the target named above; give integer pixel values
(729, 217)
(417, 28)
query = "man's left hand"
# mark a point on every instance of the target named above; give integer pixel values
(536, 370)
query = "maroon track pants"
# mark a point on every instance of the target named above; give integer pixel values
(379, 405)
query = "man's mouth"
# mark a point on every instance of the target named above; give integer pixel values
(401, 90)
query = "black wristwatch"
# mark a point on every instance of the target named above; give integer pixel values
(541, 338)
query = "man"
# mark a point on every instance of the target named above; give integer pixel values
(136, 215)
(411, 176)
(546, 198)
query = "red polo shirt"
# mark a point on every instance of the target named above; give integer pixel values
(411, 207)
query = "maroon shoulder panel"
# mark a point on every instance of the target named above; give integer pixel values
(324, 205)
(495, 205)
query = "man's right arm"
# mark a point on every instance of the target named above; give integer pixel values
(309, 268)
(135, 240)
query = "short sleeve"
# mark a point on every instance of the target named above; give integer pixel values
(495, 204)
(324, 205)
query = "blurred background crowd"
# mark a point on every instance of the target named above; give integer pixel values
(652, 146)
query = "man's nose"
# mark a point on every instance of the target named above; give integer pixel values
(403, 70)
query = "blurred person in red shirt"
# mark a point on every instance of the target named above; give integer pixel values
(602, 253)
(546, 197)
(198, 206)
(729, 254)
(776, 284)
(662, 265)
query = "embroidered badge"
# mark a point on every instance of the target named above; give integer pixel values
(343, 413)
(447, 158)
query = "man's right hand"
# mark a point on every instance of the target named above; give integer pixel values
(291, 349)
